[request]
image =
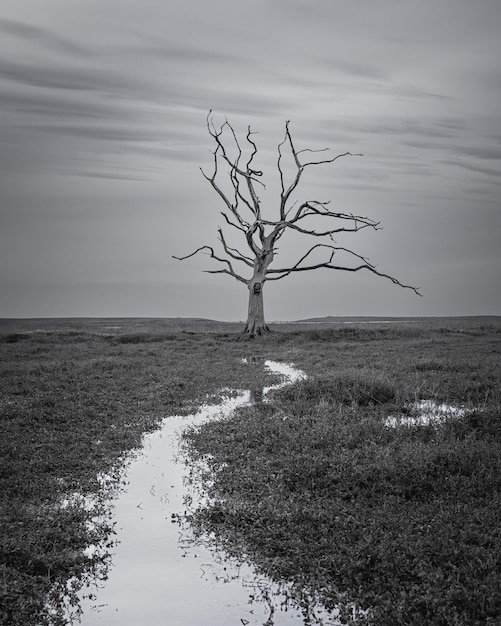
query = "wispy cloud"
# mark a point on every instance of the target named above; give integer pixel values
(42, 37)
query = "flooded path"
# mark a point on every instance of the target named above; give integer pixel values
(158, 575)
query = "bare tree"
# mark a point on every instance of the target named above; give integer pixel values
(243, 215)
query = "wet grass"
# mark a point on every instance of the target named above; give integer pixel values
(312, 486)
(317, 490)
(75, 398)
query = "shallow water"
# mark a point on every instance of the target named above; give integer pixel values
(159, 575)
(425, 413)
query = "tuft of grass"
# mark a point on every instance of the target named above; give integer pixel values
(351, 389)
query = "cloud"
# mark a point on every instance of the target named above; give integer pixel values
(411, 127)
(41, 36)
(71, 78)
(54, 104)
(487, 171)
(489, 153)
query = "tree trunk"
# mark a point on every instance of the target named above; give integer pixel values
(255, 317)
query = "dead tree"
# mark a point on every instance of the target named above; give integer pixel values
(243, 215)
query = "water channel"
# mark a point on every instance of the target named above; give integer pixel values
(159, 575)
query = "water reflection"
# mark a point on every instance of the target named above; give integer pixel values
(160, 573)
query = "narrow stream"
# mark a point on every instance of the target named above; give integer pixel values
(158, 577)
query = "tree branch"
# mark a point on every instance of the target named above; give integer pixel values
(238, 176)
(310, 209)
(285, 194)
(300, 167)
(229, 270)
(233, 252)
(329, 265)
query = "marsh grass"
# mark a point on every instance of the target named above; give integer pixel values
(75, 400)
(405, 522)
(312, 486)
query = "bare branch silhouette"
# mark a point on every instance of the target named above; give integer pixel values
(242, 212)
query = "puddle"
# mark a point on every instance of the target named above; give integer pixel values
(424, 413)
(159, 575)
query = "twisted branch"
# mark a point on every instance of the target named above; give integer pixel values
(229, 270)
(261, 234)
(366, 264)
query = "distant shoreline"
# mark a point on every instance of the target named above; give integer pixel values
(329, 319)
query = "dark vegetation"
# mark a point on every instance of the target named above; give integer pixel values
(75, 397)
(315, 488)
(310, 486)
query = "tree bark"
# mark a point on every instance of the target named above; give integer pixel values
(256, 324)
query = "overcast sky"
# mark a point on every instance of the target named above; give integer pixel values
(103, 107)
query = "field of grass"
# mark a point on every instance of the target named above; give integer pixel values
(312, 486)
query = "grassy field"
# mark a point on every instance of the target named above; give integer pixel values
(312, 486)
